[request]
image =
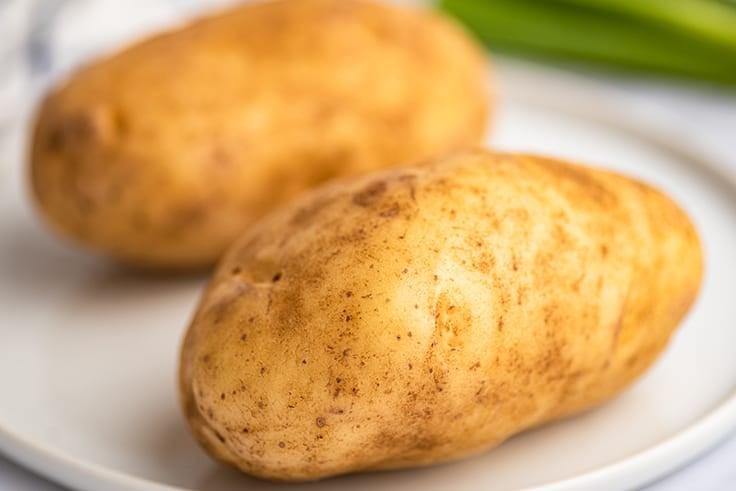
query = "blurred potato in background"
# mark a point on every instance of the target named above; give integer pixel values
(161, 155)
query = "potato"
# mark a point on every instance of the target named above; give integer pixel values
(421, 315)
(162, 154)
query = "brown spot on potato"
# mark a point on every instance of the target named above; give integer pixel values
(282, 444)
(520, 295)
(183, 217)
(370, 194)
(391, 212)
(90, 126)
(320, 422)
(305, 215)
(410, 179)
(220, 157)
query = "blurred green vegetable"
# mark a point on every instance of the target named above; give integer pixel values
(689, 38)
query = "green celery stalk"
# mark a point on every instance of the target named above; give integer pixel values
(557, 28)
(708, 19)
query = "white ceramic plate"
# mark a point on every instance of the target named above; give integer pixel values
(87, 351)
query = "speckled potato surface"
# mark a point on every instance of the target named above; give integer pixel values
(162, 154)
(421, 315)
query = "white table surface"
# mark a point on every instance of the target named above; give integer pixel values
(703, 118)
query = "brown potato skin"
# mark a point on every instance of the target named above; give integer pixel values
(162, 154)
(421, 315)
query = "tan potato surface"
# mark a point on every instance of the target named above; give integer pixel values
(163, 153)
(421, 315)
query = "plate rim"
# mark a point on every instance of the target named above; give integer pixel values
(636, 469)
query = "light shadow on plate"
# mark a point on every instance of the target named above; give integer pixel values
(436, 477)
(33, 260)
(440, 476)
(117, 289)
(171, 449)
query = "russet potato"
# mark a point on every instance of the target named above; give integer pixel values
(420, 315)
(162, 154)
